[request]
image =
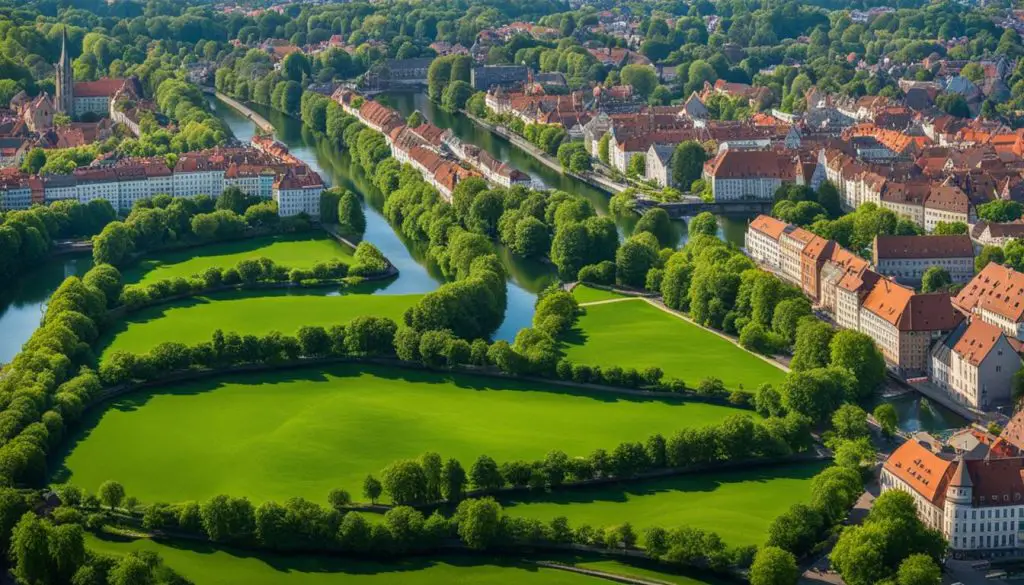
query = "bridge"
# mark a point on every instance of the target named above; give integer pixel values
(691, 205)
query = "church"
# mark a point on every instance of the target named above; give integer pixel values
(76, 99)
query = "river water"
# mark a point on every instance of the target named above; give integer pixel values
(23, 303)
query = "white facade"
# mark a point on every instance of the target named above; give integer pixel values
(295, 201)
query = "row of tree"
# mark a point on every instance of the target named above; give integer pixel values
(162, 221)
(26, 237)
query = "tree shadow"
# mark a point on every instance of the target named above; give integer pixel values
(342, 566)
(697, 482)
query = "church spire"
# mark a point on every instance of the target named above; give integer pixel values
(65, 77)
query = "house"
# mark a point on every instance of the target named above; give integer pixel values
(659, 164)
(996, 295)
(791, 244)
(975, 365)
(997, 234)
(906, 258)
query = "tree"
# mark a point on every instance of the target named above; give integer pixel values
(953, 104)
(858, 353)
(372, 488)
(1000, 211)
(455, 95)
(233, 199)
(485, 475)
(405, 481)
(295, 66)
(656, 221)
(30, 550)
(688, 163)
(339, 499)
(986, 255)
(885, 414)
(637, 166)
(453, 481)
(851, 422)
(950, 228)
(111, 493)
(643, 78)
(351, 217)
(703, 223)
(415, 119)
(479, 522)
(632, 261)
(773, 566)
(602, 148)
(919, 569)
(935, 279)
(811, 349)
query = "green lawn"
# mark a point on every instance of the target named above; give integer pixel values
(291, 250)
(738, 505)
(207, 565)
(636, 334)
(304, 432)
(256, 312)
(588, 294)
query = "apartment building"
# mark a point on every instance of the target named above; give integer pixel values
(762, 241)
(736, 175)
(906, 258)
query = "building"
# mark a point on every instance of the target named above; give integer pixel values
(65, 78)
(904, 325)
(975, 365)
(659, 165)
(996, 295)
(976, 503)
(484, 78)
(762, 241)
(997, 234)
(85, 97)
(791, 246)
(906, 258)
(736, 175)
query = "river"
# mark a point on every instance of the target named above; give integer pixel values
(416, 273)
(730, 229)
(22, 305)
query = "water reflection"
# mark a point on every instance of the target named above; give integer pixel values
(917, 413)
(23, 303)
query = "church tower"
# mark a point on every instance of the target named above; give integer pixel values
(65, 78)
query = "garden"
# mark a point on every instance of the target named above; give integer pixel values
(305, 432)
(634, 333)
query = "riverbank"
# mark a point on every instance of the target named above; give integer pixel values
(592, 179)
(261, 122)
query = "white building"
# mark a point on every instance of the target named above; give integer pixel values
(906, 258)
(762, 241)
(736, 175)
(976, 504)
(995, 294)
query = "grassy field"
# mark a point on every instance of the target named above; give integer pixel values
(305, 432)
(738, 505)
(207, 565)
(587, 294)
(636, 334)
(257, 312)
(292, 250)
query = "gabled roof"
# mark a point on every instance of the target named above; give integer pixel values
(768, 226)
(976, 341)
(996, 288)
(924, 471)
(921, 247)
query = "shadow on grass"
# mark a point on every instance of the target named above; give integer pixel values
(691, 483)
(306, 563)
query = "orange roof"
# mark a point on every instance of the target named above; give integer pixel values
(768, 226)
(997, 289)
(979, 339)
(889, 300)
(99, 88)
(924, 471)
